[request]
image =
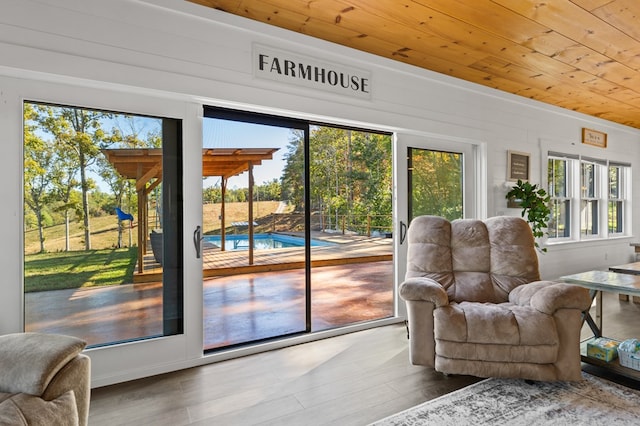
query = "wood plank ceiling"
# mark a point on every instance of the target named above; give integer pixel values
(583, 55)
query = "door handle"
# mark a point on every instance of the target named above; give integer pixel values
(197, 237)
(403, 232)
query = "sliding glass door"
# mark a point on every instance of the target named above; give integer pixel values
(99, 187)
(297, 229)
(434, 177)
(253, 228)
(350, 190)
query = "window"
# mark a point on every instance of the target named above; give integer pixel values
(559, 191)
(617, 197)
(589, 195)
(89, 175)
(592, 205)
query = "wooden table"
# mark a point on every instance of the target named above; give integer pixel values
(598, 282)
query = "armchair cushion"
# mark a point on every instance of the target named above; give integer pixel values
(30, 410)
(500, 324)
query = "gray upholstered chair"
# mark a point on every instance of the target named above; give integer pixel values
(476, 305)
(44, 380)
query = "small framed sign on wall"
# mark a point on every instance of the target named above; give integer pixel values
(517, 165)
(594, 137)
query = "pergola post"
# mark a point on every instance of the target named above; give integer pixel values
(142, 220)
(223, 224)
(250, 167)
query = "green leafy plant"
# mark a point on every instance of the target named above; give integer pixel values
(534, 202)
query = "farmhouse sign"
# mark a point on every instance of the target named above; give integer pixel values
(290, 68)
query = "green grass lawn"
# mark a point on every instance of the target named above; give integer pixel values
(75, 269)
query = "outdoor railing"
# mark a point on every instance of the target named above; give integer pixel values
(365, 225)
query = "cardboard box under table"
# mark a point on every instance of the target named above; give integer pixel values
(603, 349)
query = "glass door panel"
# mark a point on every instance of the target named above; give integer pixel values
(436, 177)
(253, 247)
(274, 267)
(351, 243)
(99, 186)
(435, 183)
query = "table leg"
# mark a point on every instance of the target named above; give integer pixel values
(599, 310)
(595, 326)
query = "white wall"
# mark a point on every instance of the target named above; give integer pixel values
(178, 51)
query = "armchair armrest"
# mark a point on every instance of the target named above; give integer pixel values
(549, 296)
(424, 289)
(29, 361)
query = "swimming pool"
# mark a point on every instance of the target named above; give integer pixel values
(262, 241)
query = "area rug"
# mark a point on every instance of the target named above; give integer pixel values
(593, 401)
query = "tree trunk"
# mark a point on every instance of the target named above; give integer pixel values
(67, 243)
(85, 203)
(120, 226)
(40, 231)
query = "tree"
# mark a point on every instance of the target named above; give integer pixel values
(350, 176)
(39, 162)
(292, 180)
(78, 131)
(436, 186)
(64, 184)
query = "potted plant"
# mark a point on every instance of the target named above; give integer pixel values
(534, 202)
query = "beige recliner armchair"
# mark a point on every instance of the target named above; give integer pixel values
(476, 305)
(44, 380)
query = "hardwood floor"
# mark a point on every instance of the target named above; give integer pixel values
(347, 380)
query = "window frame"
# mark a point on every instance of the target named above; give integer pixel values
(623, 195)
(566, 198)
(591, 197)
(599, 192)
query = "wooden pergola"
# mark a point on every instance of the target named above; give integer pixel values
(144, 165)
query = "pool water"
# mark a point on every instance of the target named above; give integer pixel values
(262, 241)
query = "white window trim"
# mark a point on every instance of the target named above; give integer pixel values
(624, 196)
(574, 194)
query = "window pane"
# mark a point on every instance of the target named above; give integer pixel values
(588, 189)
(435, 183)
(97, 187)
(558, 185)
(589, 217)
(350, 201)
(614, 182)
(253, 213)
(557, 178)
(559, 225)
(615, 217)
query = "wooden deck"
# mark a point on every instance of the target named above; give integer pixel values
(237, 309)
(347, 249)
